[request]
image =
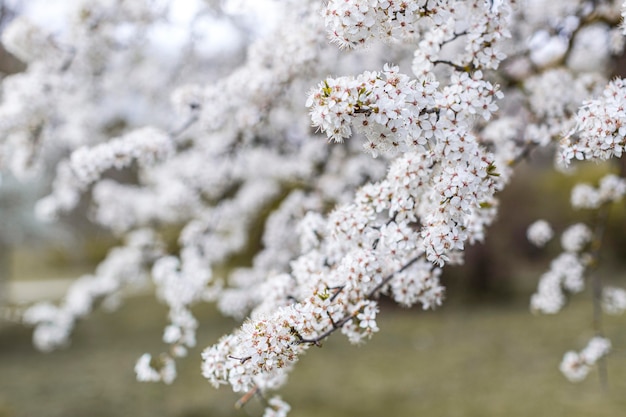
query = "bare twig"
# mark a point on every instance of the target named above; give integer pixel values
(597, 286)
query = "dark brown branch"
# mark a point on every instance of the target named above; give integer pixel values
(452, 64)
(337, 292)
(242, 360)
(455, 37)
(336, 325)
(331, 319)
(389, 277)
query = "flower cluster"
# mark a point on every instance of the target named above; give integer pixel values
(576, 365)
(124, 267)
(384, 106)
(614, 300)
(539, 233)
(332, 229)
(276, 407)
(27, 41)
(353, 23)
(600, 127)
(576, 237)
(566, 273)
(554, 97)
(150, 370)
(611, 189)
(86, 165)
(396, 113)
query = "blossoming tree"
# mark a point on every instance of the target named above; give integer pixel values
(439, 102)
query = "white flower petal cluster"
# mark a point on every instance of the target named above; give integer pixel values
(258, 355)
(331, 227)
(354, 23)
(547, 50)
(585, 196)
(123, 267)
(576, 237)
(577, 365)
(83, 77)
(146, 146)
(613, 300)
(27, 41)
(276, 408)
(436, 196)
(539, 233)
(162, 369)
(600, 127)
(566, 274)
(554, 97)
(383, 106)
(611, 189)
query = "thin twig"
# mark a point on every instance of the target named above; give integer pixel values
(525, 153)
(597, 286)
(188, 123)
(348, 317)
(452, 64)
(247, 397)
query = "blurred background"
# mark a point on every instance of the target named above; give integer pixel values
(482, 354)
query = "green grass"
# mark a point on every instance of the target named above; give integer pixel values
(478, 362)
(459, 361)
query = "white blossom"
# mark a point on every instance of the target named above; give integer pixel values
(576, 366)
(539, 233)
(566, 274)
(26, 40)
(546, 50)
(146, 371)
(573, 367)
(600, 127)
(612, 188)
(584, 196)
(155, 139)
(576, 237)
(276, 408)
(613, 300)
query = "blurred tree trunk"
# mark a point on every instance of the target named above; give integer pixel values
(5, 273)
